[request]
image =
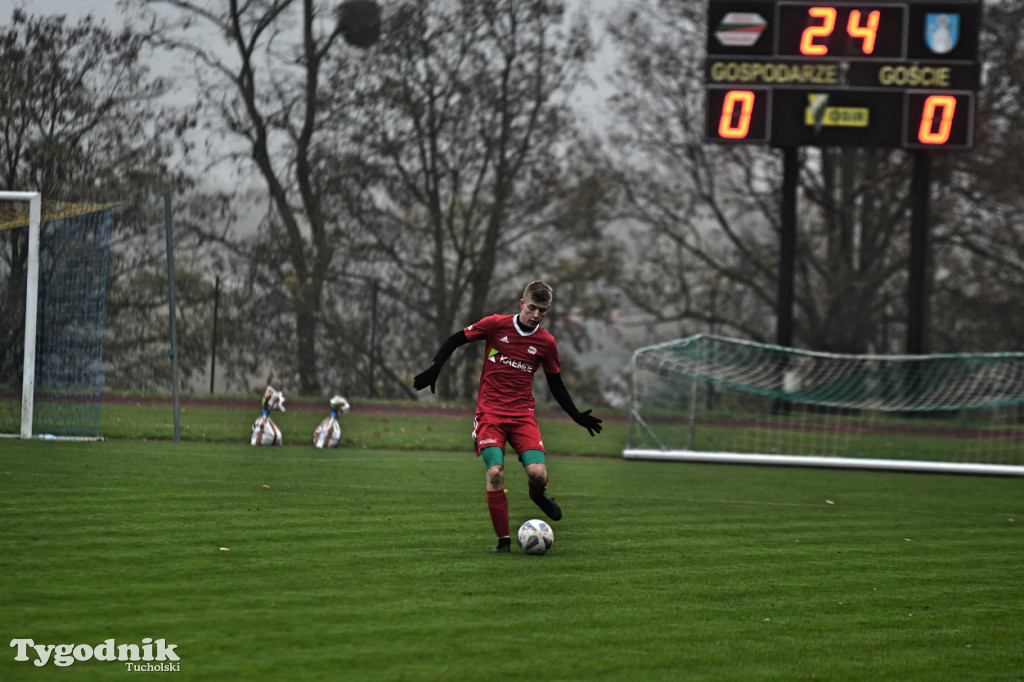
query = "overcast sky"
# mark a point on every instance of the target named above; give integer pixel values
(99, 8)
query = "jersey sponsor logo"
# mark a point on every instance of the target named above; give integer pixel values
(517, 364)
(504, 339)
(495, 356)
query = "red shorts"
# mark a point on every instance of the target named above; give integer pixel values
(493, 431)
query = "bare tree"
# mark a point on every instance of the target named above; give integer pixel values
(462, 163)
(84, 121)
(699, 221)
(81, 112)
(979, 278)
(259, 70)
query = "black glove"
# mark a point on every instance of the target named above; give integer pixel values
(588, 421)
(428, 377)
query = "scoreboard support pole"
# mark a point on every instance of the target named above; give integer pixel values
(920, 190)
(787, 247)
(787, 260)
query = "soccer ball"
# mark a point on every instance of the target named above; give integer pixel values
(535, 536)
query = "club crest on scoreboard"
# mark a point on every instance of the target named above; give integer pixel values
(740, 29)
(941, 32)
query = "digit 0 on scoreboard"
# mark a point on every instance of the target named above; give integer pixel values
(938, 120)
(738, 114)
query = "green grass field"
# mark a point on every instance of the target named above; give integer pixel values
(372, 562)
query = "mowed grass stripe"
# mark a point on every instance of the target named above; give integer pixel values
(369, 564)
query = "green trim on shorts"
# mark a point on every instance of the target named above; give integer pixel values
(493, 456)
(532, 457)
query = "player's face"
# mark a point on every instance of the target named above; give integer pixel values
(531, 313)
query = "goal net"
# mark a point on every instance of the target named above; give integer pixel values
(714, 399)
(53, 271)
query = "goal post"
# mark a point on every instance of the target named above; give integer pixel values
(53, 269)
(35, 202)
(722, 400)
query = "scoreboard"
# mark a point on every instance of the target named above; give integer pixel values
(865, 74)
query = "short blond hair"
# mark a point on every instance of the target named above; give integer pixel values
(538, 291)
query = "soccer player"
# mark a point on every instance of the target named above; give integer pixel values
(516, 347)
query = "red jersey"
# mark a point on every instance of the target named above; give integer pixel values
(513, 357)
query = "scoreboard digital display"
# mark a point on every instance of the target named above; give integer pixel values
(872, 74)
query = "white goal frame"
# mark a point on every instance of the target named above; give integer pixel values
(79, 416)
(696, 369)
(35, 214)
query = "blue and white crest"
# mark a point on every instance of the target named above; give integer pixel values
(941, 32)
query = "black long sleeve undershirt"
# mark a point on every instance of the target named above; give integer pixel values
(448, 347)
(561, 394)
